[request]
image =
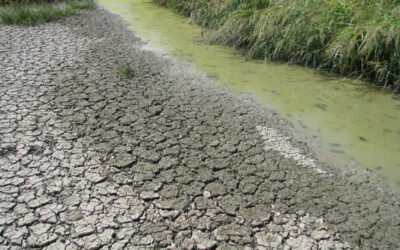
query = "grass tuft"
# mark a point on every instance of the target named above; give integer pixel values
(359, 38)
(126, 70)
(38, 12)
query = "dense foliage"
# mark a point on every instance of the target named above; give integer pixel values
(352, 37)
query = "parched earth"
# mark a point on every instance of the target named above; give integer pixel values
(91, 159)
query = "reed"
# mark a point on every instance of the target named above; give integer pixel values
(358, 38)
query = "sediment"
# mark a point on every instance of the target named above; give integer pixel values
(92, 159)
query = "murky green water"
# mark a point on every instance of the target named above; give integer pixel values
(346, 118)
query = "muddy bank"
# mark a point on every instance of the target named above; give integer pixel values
(91, 159)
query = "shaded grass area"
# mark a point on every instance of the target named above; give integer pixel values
(358, 38)
(37, 12)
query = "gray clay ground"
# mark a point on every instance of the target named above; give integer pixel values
(90, 159)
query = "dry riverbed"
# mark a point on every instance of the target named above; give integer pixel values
(91, 159)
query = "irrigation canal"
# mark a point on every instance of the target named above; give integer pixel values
(349, 120)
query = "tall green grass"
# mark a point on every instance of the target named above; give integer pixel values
(358, 38)
(30, 12)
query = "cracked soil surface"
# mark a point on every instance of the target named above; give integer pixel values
(90, 159)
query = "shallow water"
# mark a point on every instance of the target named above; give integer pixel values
(346, 117)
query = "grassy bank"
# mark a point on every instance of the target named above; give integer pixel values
(359, 38)
(33, 12)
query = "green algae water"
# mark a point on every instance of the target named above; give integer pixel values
(347, 118)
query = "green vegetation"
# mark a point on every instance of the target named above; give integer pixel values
(126, 70)
(359, 38)
(37, 12)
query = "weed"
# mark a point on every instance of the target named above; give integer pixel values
(126, 70)
(38, 12)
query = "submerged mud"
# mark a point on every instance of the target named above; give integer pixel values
(92, 159)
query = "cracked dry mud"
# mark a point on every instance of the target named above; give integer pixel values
(90, 159)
